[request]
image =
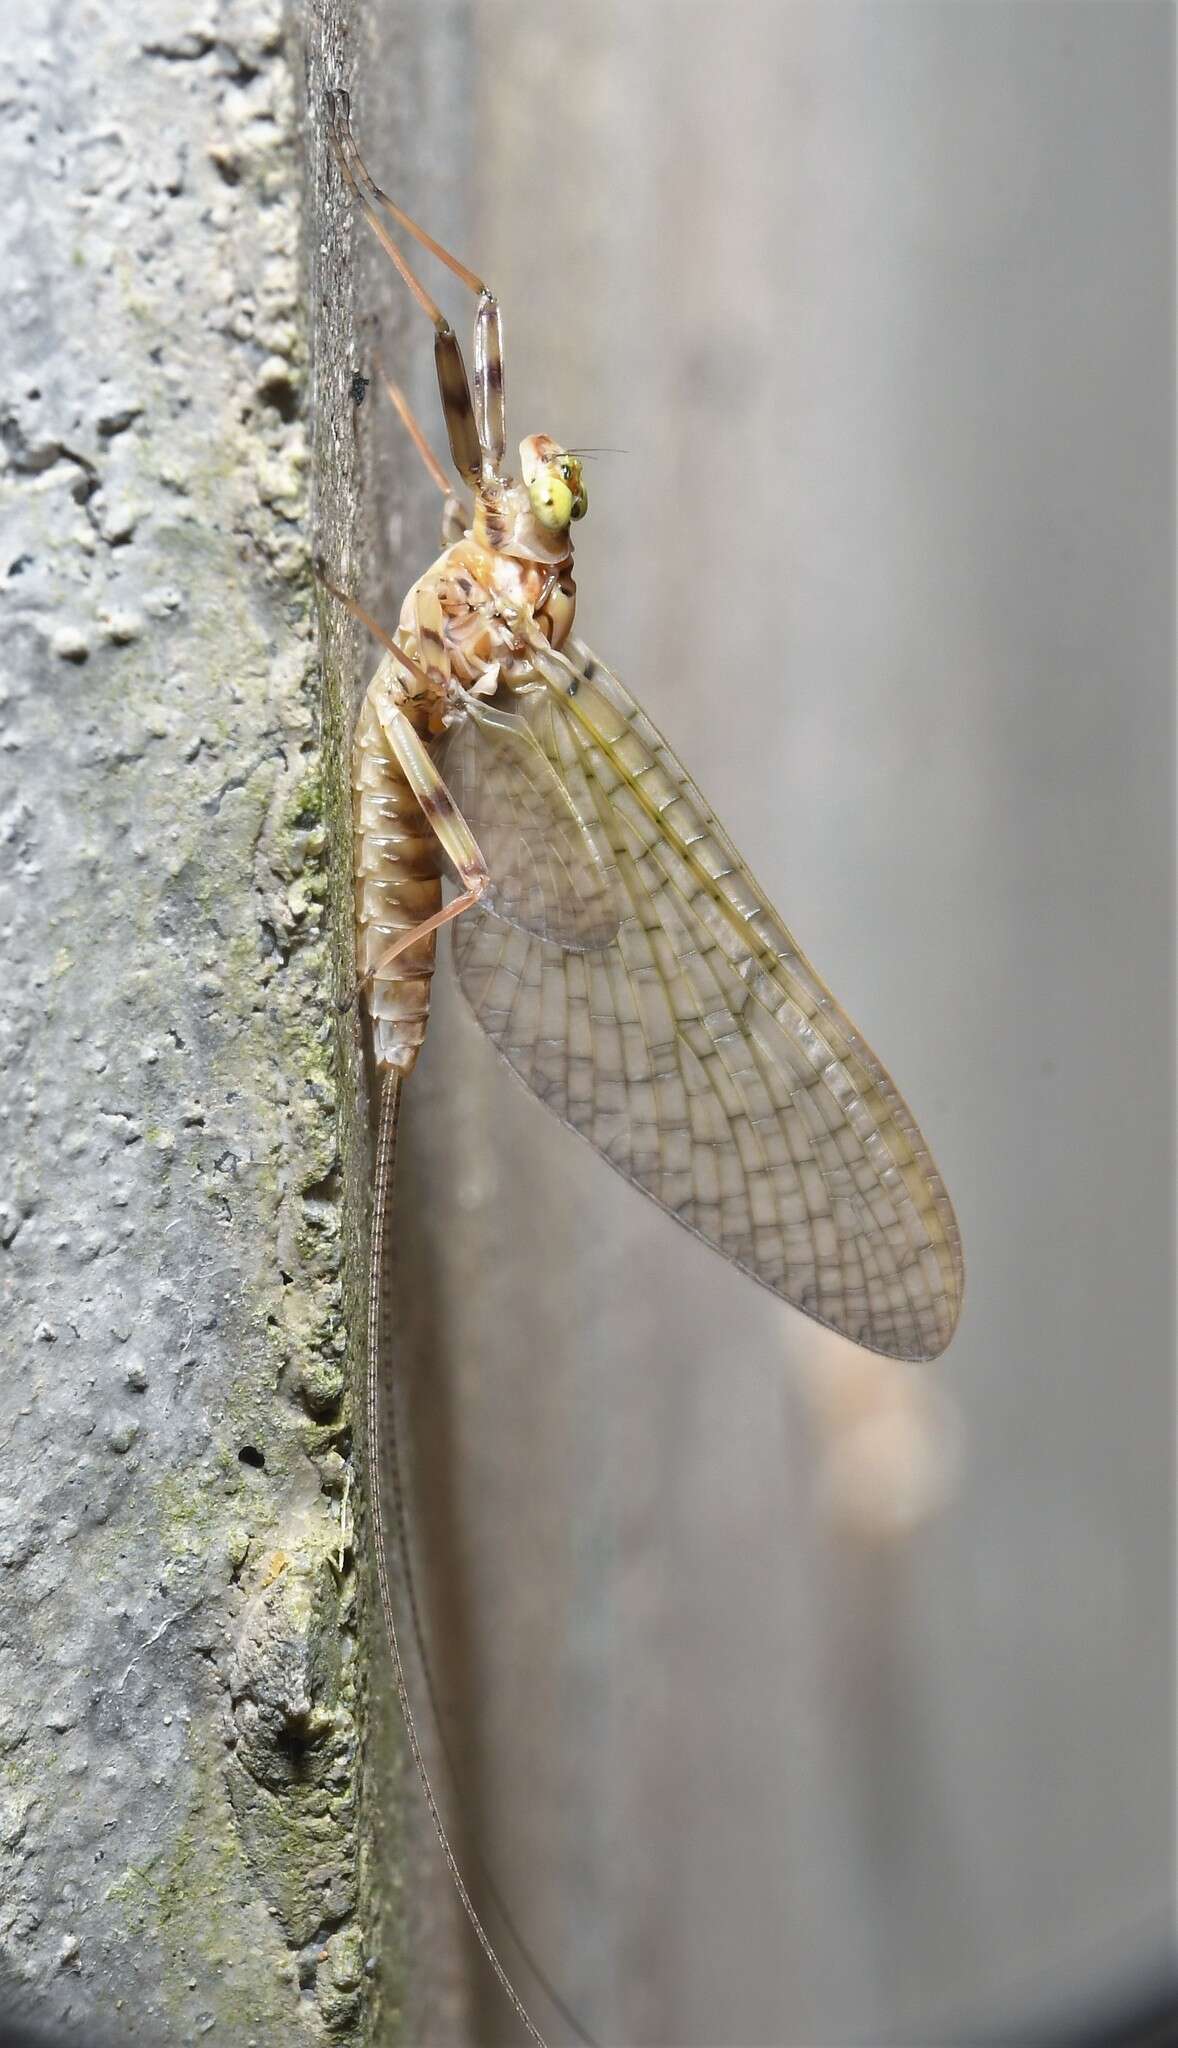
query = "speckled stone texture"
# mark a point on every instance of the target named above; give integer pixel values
(179, 1733)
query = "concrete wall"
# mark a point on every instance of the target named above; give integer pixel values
(179, 1717)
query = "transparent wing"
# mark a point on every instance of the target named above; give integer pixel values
(549, 875)
(701, 1054)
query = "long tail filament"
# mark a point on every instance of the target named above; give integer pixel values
(382, 1438)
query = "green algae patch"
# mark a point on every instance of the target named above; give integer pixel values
(192, 1508)
(226, 1967)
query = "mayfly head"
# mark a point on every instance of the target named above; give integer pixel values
(530, 519)
(554, 482)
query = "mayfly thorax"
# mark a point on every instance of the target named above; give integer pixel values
(607, 935)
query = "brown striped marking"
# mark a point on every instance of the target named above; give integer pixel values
(465, 445)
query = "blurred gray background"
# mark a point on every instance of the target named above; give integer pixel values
(877, 300)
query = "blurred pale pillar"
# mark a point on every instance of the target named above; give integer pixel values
(876, 300)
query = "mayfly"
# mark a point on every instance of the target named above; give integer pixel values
(606, 934)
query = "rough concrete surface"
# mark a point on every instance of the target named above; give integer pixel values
(178, 1714)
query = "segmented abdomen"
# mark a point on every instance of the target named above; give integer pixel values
(398, 887)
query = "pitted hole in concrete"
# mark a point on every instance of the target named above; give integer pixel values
(249, 1454)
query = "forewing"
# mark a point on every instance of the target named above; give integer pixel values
(549, 875)
(701, 1054)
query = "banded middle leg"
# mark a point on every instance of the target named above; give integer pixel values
(431, 675)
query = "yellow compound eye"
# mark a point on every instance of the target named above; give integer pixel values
(552, 500)
(570, 469)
